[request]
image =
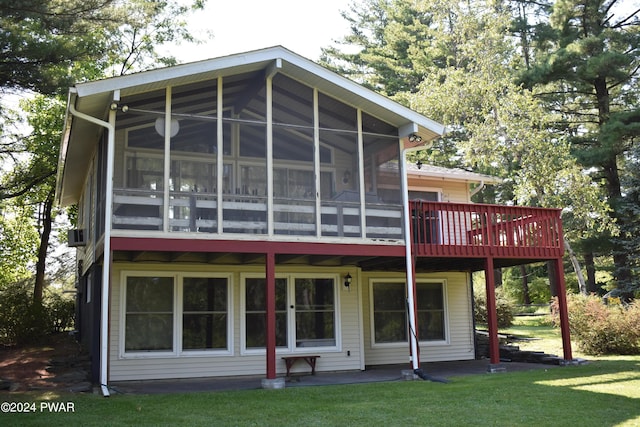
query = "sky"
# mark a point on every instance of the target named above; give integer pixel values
(302, 26)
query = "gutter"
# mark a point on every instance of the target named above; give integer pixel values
(106, 267)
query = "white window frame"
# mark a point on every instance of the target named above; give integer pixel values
(291, 347)
(177, 323)
(243, 315)
(372, 332)
(179, 314)
(337, 320)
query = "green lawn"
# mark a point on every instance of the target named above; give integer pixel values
(605, 392)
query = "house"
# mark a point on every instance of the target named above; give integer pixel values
(238, 210)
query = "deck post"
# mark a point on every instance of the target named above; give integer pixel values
(270, 299)
(492, 315)
(562, 308)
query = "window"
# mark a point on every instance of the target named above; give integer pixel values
(149, 314)
(153, 305)
(390, 320)
(315, 312)
(306, 314)
(204, 313)
(389, 312)
(256, 313)
(430, 302)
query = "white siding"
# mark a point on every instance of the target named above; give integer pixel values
(154, 367)
(459, 332)
(452, 191)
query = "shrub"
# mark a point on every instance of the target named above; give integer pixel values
(23, 322)
(603, 329)
(504, 309)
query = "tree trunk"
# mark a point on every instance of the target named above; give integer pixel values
(576, 267)
(526, 298)
(622, 273)
(553, 280)
(41, 264)
(592, 287)
(497, 273)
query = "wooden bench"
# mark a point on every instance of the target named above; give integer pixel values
(290, 360)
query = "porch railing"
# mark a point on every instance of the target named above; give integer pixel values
(443, 229)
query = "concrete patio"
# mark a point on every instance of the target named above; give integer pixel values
(439, 371)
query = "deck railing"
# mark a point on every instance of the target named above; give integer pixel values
(443, 229)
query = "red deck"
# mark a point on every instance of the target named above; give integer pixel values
(442, 229)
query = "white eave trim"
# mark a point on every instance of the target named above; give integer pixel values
(258, 58)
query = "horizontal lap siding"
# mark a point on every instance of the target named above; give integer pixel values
(460, 344)
(121, 369)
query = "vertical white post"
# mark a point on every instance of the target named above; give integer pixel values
(316, 162)
(269, 101)
(219, 157)
(167, 158)
(413, 341)
(363, 190)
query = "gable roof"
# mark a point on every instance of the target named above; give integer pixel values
(93, 98)
(282, 60)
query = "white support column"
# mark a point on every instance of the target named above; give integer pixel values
(363, 198)
(220, 154)
(167, 158)
(316, 162)
(269, 101)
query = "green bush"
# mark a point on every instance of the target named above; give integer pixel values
(600, 328)
(23, 322)
(504, 309)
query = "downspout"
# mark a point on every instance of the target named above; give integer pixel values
(408, 241)
(106, 271)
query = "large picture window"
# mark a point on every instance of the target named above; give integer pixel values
(204, 314)
(149, 315)
(390, 319)
(154, 304)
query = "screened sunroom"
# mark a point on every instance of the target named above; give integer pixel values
(250, 155)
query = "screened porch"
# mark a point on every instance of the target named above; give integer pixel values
(250, 154)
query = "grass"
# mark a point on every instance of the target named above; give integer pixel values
(605, 392)
(545, 337)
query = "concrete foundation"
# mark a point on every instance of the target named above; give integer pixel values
(273, 384)
(496, 368)
(408, 375)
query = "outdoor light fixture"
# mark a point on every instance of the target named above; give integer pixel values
(415, 138)
(114, 107)
(175, 126)
(347, 281)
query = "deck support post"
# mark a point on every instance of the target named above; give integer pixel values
(492, 315)
(563, 311)
(270, 298)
